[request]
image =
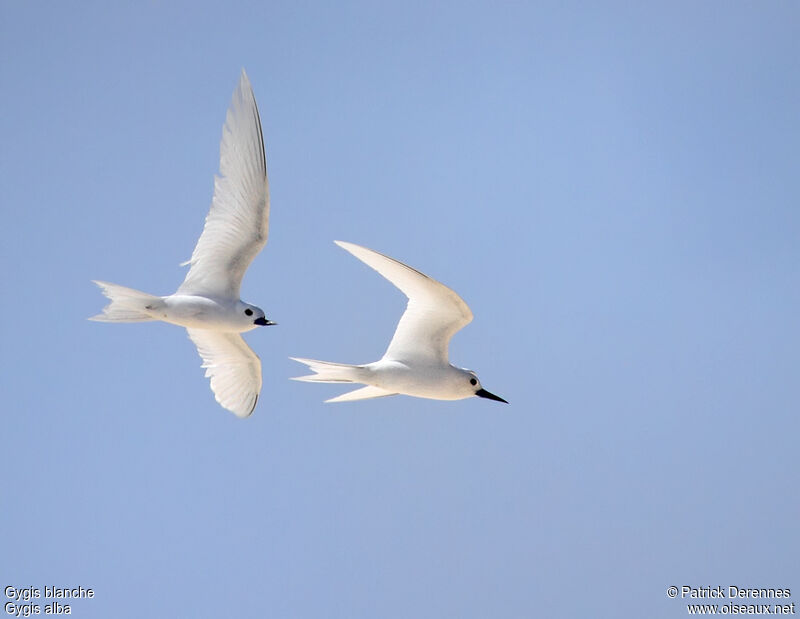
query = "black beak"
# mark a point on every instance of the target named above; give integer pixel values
(263, 322)
(485, 394)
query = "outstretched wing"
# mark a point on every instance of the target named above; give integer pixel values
(237, 224)
(234, 369)
(433, 314)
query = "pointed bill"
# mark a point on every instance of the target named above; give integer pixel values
(482, 393)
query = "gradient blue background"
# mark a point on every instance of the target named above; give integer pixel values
(612, 187)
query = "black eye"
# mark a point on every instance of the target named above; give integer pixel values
(472, 381)
(248, 312)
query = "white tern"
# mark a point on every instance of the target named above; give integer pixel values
(207, 303)
(417, 361)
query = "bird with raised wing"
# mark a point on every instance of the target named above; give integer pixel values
(207, 303)
(417, 362)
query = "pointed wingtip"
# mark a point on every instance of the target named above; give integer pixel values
(240, 412)
(250, 412)
(244, 83)
(351, 247)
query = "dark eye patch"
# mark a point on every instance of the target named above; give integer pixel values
(248, 312)
(472, 381)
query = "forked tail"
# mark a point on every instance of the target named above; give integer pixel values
(127, 304)
(328, 372)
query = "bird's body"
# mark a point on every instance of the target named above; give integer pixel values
(200, 312)
(207, 303)
(416, 363)
(423, 380)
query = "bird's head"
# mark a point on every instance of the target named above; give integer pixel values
(253, 316)
(472, 385)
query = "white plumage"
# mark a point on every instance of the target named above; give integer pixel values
(238, 222)
(207, 302)
(417, 361)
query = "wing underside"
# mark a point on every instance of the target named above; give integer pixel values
(237, 223)
(233, 368)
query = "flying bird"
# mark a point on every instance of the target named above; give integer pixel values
(207, 303)
(417, 361)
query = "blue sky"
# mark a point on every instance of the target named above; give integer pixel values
(612, 187)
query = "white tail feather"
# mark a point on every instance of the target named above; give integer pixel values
(127, 304)
(328, 372)
(364, 393)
